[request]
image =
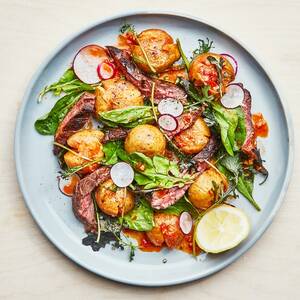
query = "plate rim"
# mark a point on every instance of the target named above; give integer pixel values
(170, 13)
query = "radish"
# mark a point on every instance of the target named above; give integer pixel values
(233, 96)
(67, 185)
(171, 107)
(186, 222)
(122, 174)
(167, 122)
(106, 70)
(231, 59)
(86, 62)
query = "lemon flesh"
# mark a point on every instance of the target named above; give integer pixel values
(221, 229)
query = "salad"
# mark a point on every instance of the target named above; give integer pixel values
(153, 145)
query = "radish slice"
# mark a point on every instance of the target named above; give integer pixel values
(233, 96)
(86, 62)
(171, 107)
(106, 70)
(167, 122)
(67, 185)
(232, 60)
(186, 222)
(122, 174)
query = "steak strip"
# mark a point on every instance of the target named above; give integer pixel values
(82, 202)
(75, 119)
(114, 134)
(133, 74)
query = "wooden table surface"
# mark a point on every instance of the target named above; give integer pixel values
(30, 266)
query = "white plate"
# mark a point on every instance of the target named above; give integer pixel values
(37, 167)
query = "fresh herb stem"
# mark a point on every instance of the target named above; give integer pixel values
(152, 100)
(184, 58)
(72, 151)
(71, 171)
(145, 55)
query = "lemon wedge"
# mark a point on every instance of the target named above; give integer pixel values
(221, 229)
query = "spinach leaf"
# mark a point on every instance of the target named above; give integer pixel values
(110, 150)
(179, 207)
(68, 83)
(128, 117)
(140, 218)
(48, 124)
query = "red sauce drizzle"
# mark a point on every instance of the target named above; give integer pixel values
(69, 188)
(260, 125)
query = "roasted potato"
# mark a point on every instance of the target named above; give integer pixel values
(193, 139)
(159, 47)
(202, 192)
(112, 200)
(146, 139)
(87, 143)
(171, 75)
(117, 93)
(203, 72)
(166, 230)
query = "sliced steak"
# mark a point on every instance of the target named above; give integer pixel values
(76, 118)
(114, 134)
(163, 198)
(163, 89)
(82, 201)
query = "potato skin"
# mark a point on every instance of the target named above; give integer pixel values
(111, 201)
(146, 139)
(86, 142)
(193, 139)
(166, 230)
(201, 192)
(117, 93)
(202, 72)
(159, 47)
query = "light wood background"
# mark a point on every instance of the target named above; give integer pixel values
(30, 266)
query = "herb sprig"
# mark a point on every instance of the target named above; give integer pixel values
(203, 47)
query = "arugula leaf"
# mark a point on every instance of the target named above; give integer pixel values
(179, 207)
(203, 47)
(110, 150)
(140, 218)
(127, 28)
(68, 83)
(48, 124)
(232, 127)
(128, 117)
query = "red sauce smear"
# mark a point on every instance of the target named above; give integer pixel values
(143, 242)
(69, 188)
(260, 125)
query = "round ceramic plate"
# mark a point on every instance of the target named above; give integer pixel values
(37, 167)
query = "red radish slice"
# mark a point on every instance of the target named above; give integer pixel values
(86, 62)
(231, 60)
(186, 222)
(167, 122)
(67, 185)
(233, 97)
(122, 174)
(106, 70)
(171, 107)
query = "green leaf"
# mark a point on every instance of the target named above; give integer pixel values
(128, 117)
(240, 132)
(203, 47)
(140, 218)
(161, 164)
(245, 187)
(232, 164)
(110, 150)
(179, 207)
(68, 83)
(48, 124)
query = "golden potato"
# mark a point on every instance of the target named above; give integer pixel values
(193, 139)
(159, 47)
(203, 72)
(146, 139)
(166, 230)
(87, 143)
(117, 93)
(112, 200)
(202, 192)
